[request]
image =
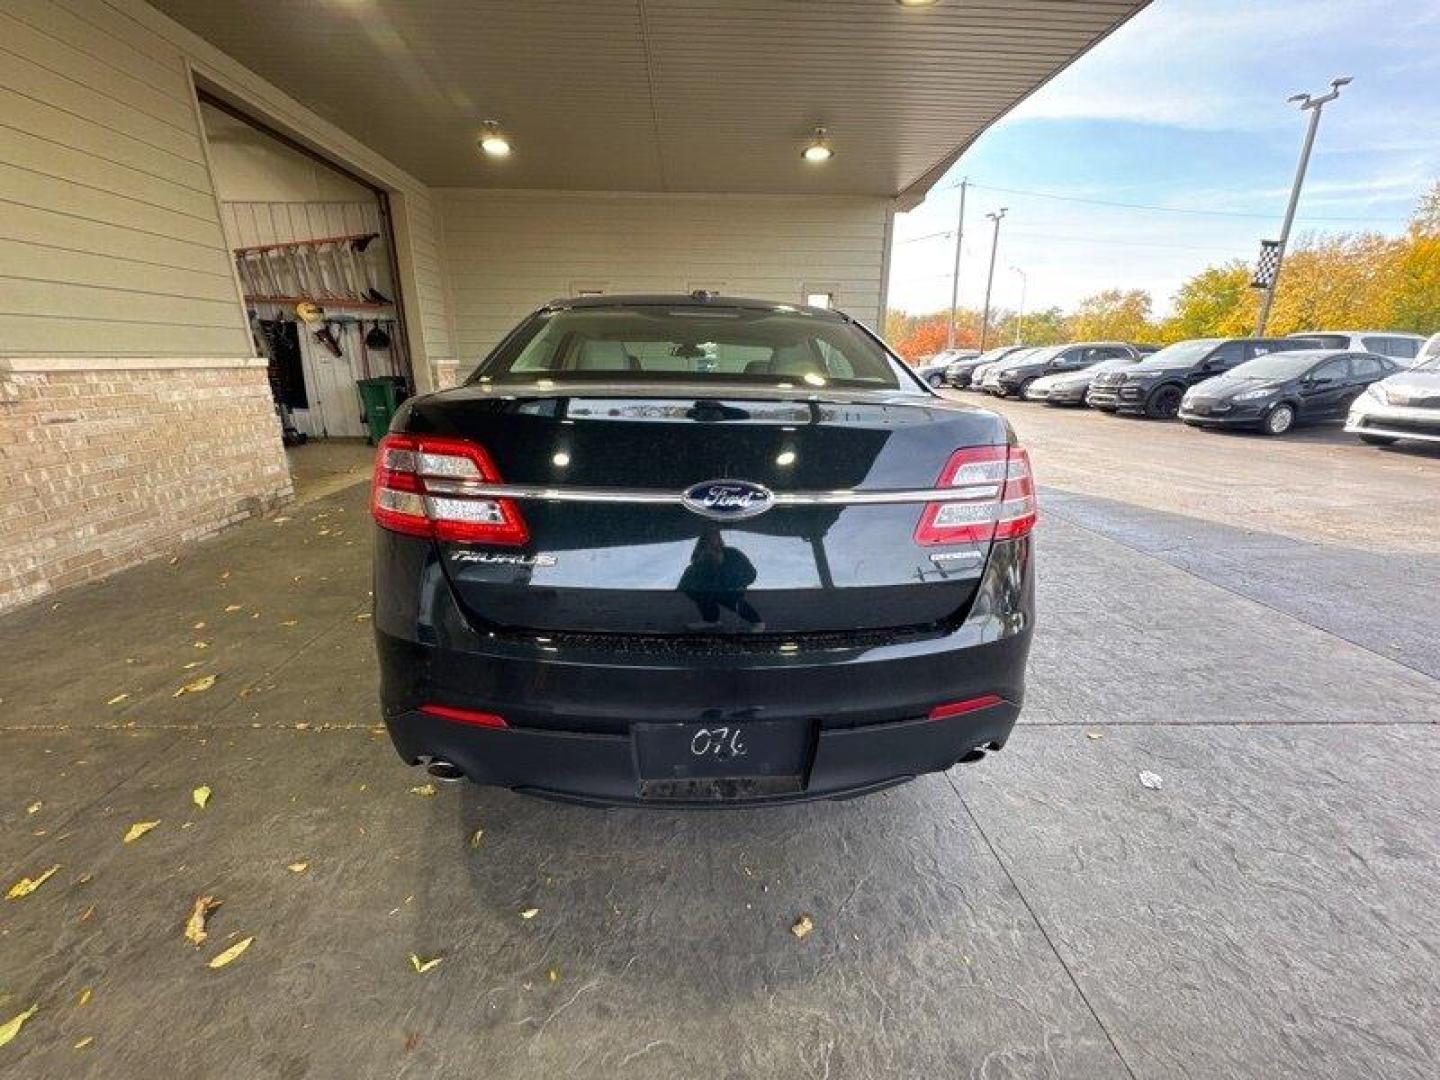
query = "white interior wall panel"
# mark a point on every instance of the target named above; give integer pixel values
(507, 252)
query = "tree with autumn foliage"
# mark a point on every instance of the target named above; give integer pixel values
(1349, 281)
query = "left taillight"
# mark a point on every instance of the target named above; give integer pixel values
(424, 484)
(999, 503)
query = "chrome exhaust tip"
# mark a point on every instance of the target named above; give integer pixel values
(445, 771)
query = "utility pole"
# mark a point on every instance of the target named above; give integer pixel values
(1020, 319)
(1315, 105)
(955, 279)
(995, 216)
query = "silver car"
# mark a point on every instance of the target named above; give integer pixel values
(1404, 406)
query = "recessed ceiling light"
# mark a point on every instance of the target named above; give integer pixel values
(818, 148)
(493, 140)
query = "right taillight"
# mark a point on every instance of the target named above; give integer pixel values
(998, 503)
(424, 486)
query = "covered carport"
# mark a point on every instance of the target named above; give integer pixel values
(654, 146)
(199, 733)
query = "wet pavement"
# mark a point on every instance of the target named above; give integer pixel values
(1269, 911)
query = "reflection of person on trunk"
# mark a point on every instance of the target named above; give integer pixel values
(716, 578)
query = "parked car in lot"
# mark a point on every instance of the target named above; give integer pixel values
(1155, 385)
(933, 369)
(1274, 393)
(1070, 387)
(1395, 344)
(1015, 377)
(960, 372)
(683, 549)
(982, 371)
(1404, 406)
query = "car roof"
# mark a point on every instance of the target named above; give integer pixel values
(1358, 333)
(699, 299)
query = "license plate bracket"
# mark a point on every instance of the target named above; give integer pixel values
(681, 760)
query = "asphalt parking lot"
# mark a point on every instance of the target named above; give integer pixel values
(1251, 620)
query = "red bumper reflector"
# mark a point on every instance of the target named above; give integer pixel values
(955, 708)
(465, 716)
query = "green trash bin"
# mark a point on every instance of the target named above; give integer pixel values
(379, 398)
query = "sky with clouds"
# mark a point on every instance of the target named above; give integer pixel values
(1184, 108)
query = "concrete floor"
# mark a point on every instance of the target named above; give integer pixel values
(1271, 911)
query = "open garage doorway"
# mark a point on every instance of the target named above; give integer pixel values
(314, 253)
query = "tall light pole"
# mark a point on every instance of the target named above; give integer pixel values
(1020, 319)
(1315, 105)
(995, 216)
(955, 278)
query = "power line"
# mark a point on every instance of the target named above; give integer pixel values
(1157, 209)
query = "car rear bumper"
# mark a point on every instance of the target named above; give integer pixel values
(1394, 421)
(603, 768)
(574, 707)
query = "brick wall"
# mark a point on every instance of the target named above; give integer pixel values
(100, 469)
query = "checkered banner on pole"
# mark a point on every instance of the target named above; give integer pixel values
(1266, 265)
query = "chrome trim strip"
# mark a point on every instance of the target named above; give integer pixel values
(655, 497)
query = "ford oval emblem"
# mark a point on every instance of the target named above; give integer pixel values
(728, 500)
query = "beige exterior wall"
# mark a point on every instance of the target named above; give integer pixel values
(133, 417)
(507, 252)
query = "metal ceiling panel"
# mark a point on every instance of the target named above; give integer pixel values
(661, 95)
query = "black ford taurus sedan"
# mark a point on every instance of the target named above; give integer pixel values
(1276, 392)
(685, 549)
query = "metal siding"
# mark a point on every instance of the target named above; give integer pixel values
(507, 252)
(110, 240)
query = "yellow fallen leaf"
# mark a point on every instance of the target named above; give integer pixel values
(553, 975)
(280, 520)
(85, 915)
(530, 913)
(117, 699)
(221, 959)
(202, 644)
(362, 617)
(232, 607)
(86, 1041)
(139, 829)
(26, 885)
(198, 626)
(290, 622)
(195, 931)
(475, 839)
(11, 1028)
(84, 998)
(298, 867)
(1094, 734)
(802, 927)
(191, 664)
(425, 790)
(423, 966)
(201, 795)
(34, 807)
(197, 686)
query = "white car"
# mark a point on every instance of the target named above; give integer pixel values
(1404, 406)
(1401, 347)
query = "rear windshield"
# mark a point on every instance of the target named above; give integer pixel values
(668, 344)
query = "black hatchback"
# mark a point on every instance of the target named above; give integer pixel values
(1276, 392)
(1155, 386)
(675, 549)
